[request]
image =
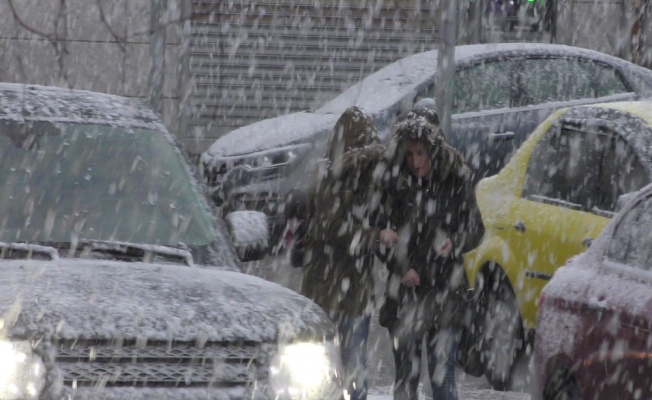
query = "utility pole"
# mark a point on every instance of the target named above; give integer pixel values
(446, 63)
(157, 40)
(476, 8)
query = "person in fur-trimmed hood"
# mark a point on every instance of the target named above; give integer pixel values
(341, 217)
(431, 201)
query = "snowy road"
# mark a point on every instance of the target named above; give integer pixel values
(380, 361)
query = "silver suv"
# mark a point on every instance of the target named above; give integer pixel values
(118, 280)
(502, 92)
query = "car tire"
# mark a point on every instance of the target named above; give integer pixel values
(562, 386)
(501, 331)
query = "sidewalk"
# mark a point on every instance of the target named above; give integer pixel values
(467, 389)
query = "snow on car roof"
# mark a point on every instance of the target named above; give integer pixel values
(376, 93)
(390, 84)
(634, 120)
(642, 109)
(45, 103)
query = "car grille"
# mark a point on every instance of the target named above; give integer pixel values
(160, 364)
(214, 176)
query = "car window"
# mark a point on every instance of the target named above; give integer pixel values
(564, 168)
(622, 172)
(563, 79)
(631, 243)
(608, 81)
(483, 86)
(67, 182)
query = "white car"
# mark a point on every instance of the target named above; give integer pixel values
(502, 92)
(119, 281)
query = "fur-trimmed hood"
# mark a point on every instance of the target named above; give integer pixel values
(353, 131)
(445, 159)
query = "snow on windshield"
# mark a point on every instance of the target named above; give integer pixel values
(64, 182)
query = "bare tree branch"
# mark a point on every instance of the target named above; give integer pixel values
(58, 45)
(27, 27)
(164, 25)
(119, 39)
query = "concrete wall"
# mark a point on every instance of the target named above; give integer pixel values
(90, 55)
(77, 48)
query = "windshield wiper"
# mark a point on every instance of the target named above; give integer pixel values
(26, 251)
(113, 250)
(125, 251)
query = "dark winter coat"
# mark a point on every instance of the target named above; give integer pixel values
(424, 212)
(342, 219)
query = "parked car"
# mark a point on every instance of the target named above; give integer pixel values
(119, 281)
(502, 92)
(550, 201)
(595, 316)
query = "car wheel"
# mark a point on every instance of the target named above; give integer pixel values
(562, 386)
(501, 331)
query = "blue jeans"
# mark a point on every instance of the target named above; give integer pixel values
(441, 350)
(444, 387)
(354, 332)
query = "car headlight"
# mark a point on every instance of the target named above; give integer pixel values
(263, 161)
(307, 371)
(273, 158)
(22, 373)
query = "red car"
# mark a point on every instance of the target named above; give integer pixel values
(594, 334)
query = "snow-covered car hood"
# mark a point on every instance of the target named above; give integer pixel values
(272, 133)
(91, 299)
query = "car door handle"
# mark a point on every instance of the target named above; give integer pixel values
(519, 226)
(502, 136)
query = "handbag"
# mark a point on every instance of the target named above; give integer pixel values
(388, 312)
(298, 248)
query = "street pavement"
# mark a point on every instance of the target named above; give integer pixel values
(380, 360)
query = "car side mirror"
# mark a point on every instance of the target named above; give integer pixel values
(249, 232)
(623, 200)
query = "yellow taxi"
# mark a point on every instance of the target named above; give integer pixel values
(550, 201)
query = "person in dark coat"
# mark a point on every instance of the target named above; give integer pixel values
(340, 216)
(431, 202)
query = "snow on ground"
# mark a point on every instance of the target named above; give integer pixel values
(474, 389)
(380, 361)
(466, 390)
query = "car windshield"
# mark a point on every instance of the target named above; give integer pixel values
(69, 182)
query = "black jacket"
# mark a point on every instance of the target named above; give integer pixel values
(426, 211)
(339, 219)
